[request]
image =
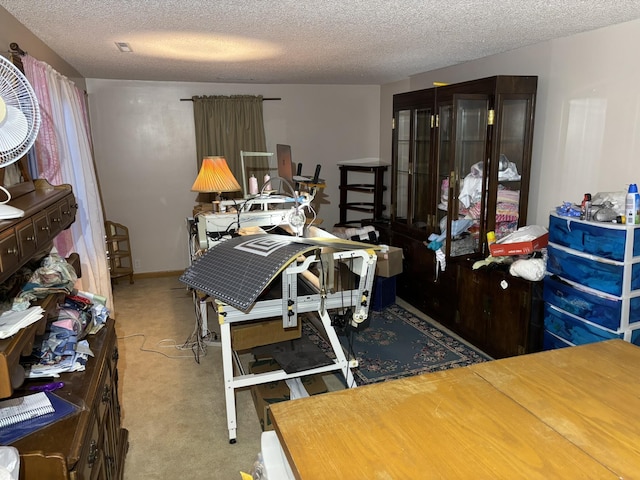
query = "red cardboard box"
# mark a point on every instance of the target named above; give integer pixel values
(519, 248)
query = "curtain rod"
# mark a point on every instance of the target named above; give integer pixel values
(191, 99)
(16, 49)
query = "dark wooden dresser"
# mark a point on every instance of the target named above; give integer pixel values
(90, 444)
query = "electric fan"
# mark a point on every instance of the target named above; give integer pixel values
(19, 124)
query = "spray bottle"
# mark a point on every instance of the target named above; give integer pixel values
(585, 213)
(632, 205)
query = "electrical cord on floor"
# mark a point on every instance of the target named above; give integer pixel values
(196, 342)
(159, 344)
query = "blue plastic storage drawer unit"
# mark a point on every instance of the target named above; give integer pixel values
(606, 240)
(611, 312)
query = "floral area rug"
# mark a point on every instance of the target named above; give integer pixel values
(399, 344)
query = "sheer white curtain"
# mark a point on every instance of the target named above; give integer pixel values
(64, 154)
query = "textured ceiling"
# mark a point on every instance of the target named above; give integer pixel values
(299, 41)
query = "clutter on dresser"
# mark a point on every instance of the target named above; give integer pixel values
(522, 251)
(61, 347)
(621, 207)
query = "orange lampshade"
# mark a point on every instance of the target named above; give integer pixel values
(215, 176)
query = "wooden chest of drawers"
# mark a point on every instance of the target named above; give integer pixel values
(90, 444)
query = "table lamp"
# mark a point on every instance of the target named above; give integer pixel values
(215, 177)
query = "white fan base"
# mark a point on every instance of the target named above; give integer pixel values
(7, 212)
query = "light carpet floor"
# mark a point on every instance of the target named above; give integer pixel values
(173, 406)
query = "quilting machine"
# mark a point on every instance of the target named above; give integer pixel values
(258, 211)
(235, 272)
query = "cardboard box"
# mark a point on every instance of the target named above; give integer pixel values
(520, 248)
(273, 392)
(389, 263)
(245, 336)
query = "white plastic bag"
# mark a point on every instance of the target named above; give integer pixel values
(532, 269)
(9, 463)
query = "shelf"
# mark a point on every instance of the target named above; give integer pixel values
(375, 207)
(118, 248)
(360, 207)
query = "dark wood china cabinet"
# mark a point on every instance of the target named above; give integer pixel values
(461, 165)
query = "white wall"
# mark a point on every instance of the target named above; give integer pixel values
(587, 128)
(144, 143)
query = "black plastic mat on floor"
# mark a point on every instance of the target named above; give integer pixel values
(295, 355)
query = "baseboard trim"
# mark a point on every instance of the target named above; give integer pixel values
(168, 273)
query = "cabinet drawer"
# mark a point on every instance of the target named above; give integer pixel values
(26, 238)
(578, 331)
(90, 461)
(614, 313)
(593, 272)
(607, 240)
(68, 209)
(9, 253)
(42, 228)
(54, 214)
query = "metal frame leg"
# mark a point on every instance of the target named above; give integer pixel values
(227, 372)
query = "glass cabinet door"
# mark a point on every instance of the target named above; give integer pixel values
(513, 113)
(400, 194)
(463, 139)
(422, 168)
(412, 193)
(444, 129)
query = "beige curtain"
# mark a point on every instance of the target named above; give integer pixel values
(227, 124)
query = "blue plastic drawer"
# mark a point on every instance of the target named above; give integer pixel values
(605, 240)
(552, 342)
(574, 330)
(610, 312)
(592, 272)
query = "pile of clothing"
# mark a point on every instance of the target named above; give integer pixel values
(62, 347)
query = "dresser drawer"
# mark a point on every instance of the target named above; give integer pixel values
(614, 313)
(9, 252)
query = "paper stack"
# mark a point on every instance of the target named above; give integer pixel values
(11, 322)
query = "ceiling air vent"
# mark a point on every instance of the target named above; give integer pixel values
(124, 47)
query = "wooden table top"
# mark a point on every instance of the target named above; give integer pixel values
(567, 413)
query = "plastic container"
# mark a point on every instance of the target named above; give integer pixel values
(632, 205)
